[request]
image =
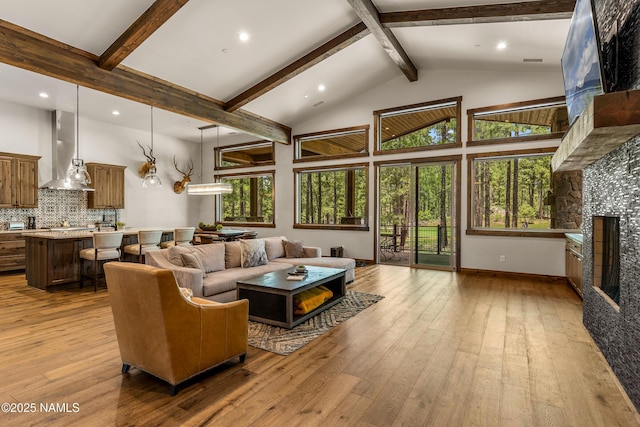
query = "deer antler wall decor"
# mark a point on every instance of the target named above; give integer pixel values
(178, 186)
(144, 168)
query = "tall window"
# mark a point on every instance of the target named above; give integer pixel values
(251, 202)
(520, 121)
(332, 197)
(510, 192)
(336, 143)
(423, 126)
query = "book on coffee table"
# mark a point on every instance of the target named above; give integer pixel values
(296, 276)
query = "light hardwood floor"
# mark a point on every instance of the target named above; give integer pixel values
(441, 349)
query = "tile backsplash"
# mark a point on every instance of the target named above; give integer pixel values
(55, 206)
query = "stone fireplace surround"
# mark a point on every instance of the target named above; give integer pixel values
(612, 188)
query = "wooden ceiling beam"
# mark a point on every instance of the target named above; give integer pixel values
(34, 52)
(317, 55)
(146, 24)
(368, 13)
(507, 12)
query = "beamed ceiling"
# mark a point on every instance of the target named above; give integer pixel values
(183, 56)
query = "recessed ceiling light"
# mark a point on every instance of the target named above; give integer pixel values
(501, 46)
(321, 87)
(306, 96)
(243, 36)
(115, 112)
(43, 95)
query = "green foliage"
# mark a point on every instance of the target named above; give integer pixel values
(323, 195)
(486, 129)
(532, 181)
(440, 133)
(236, 206)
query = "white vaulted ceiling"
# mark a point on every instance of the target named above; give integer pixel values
(198, 49)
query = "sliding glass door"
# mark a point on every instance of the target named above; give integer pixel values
(418, 214)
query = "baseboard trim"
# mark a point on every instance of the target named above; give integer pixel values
(513, 274)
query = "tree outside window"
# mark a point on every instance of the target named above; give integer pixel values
(429, 125)
(511, 192)
(251, 202)
(332, 197)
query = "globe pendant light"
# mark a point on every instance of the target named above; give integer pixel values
(211, 188)
(151, 179)
(77, 173)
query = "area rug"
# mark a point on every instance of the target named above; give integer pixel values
(286, 341)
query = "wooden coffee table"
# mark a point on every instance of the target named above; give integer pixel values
(271, 295)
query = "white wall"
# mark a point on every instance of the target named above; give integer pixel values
(28, 131)
(478, 89)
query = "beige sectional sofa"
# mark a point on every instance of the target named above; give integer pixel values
(221, 264)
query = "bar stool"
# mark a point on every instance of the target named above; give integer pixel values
(148, 240)
(181, 237)
(106, 247)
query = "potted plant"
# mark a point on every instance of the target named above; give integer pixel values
(120, 226)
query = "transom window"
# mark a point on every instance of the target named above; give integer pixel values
(521, 121)
(245, 155)
(332, 197)
(510, 192)
(251, 202)
(428, 125)
(336, 143)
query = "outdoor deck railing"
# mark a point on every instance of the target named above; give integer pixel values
(431, 239)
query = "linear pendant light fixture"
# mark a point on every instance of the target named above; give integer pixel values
(151, 179)
(211, 188)
(77, 173)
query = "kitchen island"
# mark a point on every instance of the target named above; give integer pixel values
(53, 257)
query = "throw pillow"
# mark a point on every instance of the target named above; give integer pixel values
(193, 261)
(253, 253)
(173, 255)
(293, 248)
(212, 256)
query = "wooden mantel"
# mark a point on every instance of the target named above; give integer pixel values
(609, 121)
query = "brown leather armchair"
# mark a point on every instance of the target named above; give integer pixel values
(162, 333)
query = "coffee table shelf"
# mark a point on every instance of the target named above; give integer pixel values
(271, 295)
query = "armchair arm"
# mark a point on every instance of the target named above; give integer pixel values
(312, 252)
(225, 328)
(186, 277)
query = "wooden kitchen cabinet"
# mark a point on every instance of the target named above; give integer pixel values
(18, 181)
(12, 251)
(573, 264)
(53, 261)
(108, 182)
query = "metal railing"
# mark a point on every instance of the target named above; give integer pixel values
(431, 239)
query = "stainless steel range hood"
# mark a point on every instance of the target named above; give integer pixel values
(63, 142)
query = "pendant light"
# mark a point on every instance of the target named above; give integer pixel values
(212, 188)
(77, 173)
(151, 179)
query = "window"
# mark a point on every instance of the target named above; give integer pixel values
(522, 121)
(510, 193)
(245, 155)
(251, 202)
(418, 127)
(337, 143)
(332, 197)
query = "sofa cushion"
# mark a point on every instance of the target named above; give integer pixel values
(193, 261)
(211, 255)
(273, 247)
(293, 248)
(226, 280)
(232, 254)
(174, 252)
(253, 253)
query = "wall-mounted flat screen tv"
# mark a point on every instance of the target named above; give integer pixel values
(581, 61)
